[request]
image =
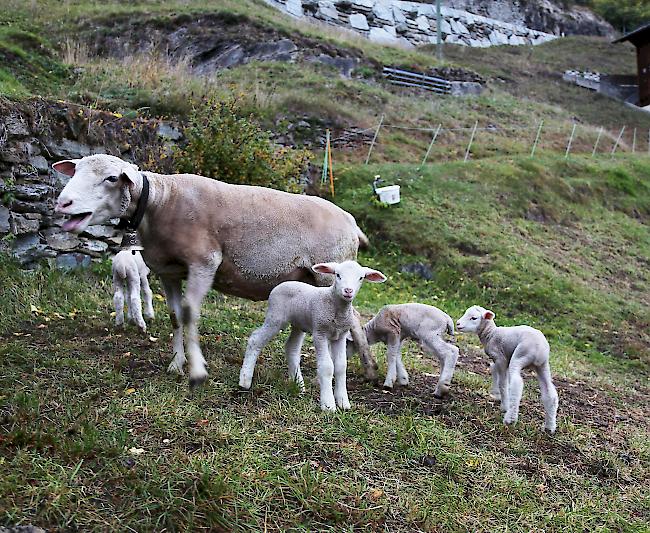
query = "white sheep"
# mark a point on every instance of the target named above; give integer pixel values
(425, 324)
(130, 277)
(513, 349)
(325, 312)
(238, 239)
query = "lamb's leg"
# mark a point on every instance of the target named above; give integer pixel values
(495, 391)
(325, 371)
(447, 354)
(292, 351)
(148, 296)
(256, 342)
(118, 299)
(393, 346)
(340, 360)
(365, 355)
(173, 295)
(402, 374)
(135, 303)
(501, 373)
(519, 361)
(199, 281)
(549, 396)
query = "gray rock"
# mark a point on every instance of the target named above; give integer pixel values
(32, 192)
(359, 21)
(458, 27)
(4, 219)
(167, 131)
(466, 88)
(516, 40)
(345, 65)
(381, 36)
(445, 27)
(327, 11)
(418, 269)
(27, 223)
(62, 241)
(427, 10)
(363, 3)
(398, 16)
(16, 126)
(72, 261)
(69, 149)
(39, 163)
(93, 247)
(384, 12)
(497, 38)
(28, 248)
(100, 231)
(22, 529)
(423, 23)
(294, 7)
(452, 39)
(402, 28)
(21, 206)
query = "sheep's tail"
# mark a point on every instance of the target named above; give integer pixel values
(450, 325)
(364, 243)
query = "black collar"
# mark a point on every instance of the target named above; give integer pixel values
(135, 220)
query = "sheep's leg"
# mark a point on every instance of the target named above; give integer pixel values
(495, 391)
(173, 296)
(393, 346)
(501, 373)
(135, 303)
(292, 351)
(325, 371)
(518, 361)
(448, 356)
(256, 342)
(365, 355)
(148, 296)
(199, 282)
(549, 396)
(337, 349)
(402, 374)
(118, 299)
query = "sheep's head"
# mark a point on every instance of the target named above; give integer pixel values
(472, 319)
(99, 189)
(348, 277)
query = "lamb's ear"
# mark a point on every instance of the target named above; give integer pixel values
(348, 337)
(66, 166)
(374, 276)
(325, 268)
(131, 174)
(488, 315)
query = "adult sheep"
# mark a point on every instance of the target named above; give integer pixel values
(239, 239)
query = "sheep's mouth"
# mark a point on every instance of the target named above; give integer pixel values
(77, 222)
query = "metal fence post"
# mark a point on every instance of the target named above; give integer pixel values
(568, 146)
(539, 132)
(600, 132)
(634, 141)
(439, 29)
(372, 144)
(618, 139)
(433, 140)
(471, 140)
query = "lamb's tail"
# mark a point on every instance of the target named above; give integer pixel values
(450, 325)
(364, 243)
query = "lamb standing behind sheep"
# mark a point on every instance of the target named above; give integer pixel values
(513, 349)
(130, 275)
(327, 313)
(425, 324)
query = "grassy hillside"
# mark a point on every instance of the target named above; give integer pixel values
(96, 436)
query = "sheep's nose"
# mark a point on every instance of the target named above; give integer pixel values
(62, 203)
(348, 292)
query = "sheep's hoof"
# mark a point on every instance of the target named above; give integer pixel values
(198, 380)
(387, 387)
(243, 389)
(509, 420)
(495, 397)
(549, 431)
(173, 368)
(328, 408)
(370, 374)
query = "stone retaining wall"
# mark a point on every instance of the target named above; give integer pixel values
(410, 23)
(37, 133)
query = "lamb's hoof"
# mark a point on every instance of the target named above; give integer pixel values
(370, 374)
(173, 368)
(441, 393)
(243, 389)
(387, 387)
(509, 420)
(404, 382)
(328, 408)
(197, 380)
(549, 431)
(343, 404)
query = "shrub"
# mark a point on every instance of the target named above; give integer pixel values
(224, 144)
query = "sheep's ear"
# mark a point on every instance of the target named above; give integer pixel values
(131, 174)
(66, 167)
(348, 337)
(325, 268)
(374, 276)
(488, 315)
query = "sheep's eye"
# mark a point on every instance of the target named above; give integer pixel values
(112, 179)
(338, 276)
(361, 278)
(474, 318)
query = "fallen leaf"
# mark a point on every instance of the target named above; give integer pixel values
(159, 297)
(153, 339)
(136, 451)
(129, 391)
(375, 494)
(202, 423)
(41, 326)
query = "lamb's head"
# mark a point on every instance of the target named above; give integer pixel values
(99, 189)
(471, 321)
(348, 277)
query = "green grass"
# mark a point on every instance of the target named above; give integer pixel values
(81, 399)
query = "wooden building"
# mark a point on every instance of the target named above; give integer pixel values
(641, 39)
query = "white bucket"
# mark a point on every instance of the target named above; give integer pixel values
(388, 195)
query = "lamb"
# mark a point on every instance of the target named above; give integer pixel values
(513, 349)
(325, 312)
(425, 324)
(130, 276)
(239, 239)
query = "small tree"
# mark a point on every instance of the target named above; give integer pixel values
(224, 144)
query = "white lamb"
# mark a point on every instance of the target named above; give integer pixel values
(426, 325)
(325, 312)
(513, 349)
(130, 275)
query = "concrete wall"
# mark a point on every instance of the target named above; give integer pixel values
(410, 23)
